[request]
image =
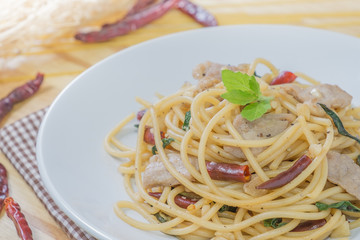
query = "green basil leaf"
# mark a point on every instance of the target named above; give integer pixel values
(165, 141)
(162, 217)
(321, 206)
(190, 195)
(228, 208)
(274, 222)
(244, 90)
(255, 110)
(239, 97)
(343, 205)
(337, 122)
(186, 123)
(238, 81)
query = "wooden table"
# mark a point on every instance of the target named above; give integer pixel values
(62, 63)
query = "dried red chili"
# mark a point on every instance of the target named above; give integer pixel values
(13, 211)
(155, 194)
(228, 171)
(129, 23)
(180, 200)
(183, 201)
(19, 94)
(139, 6)
(140, 114)
(309, 225)
(284, 77)
(288, 175)
(149, 135)
(4, 188)
(198, 13)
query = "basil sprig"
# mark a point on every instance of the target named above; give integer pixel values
(186, 126)
(274, 222)
(343, 205)
(162, 217)
(337, 122)
(165, 141)
(228, 208)
(244, 90)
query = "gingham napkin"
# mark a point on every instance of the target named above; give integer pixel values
(17, 142)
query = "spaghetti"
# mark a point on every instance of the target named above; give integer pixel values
(198, 163)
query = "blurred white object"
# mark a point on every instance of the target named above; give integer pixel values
(27, 23)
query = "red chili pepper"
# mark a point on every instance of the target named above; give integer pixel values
(288, 175)
(284, 77)
(128, 24)
(179, 200)
(138, 6)
(19, 94)
(155, 194)
(4, 188)
(198, 13)
(149, 136)
(13, 211)
(228, 171)
(140, 114)
(309, 225)
(183, 201)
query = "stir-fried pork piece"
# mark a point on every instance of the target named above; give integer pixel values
(330, 95)
(250, 187)
(269, 125)
(343, 171)
(209, 74)
(156, 173)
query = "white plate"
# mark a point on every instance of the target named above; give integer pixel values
(80, 176)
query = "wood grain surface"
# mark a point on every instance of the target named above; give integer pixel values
(62, 62)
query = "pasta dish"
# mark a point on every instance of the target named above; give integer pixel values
(243, 156)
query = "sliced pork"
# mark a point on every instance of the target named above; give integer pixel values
(343, 171)
(250, 187)
(156, 173)
(330, 95)
(269, 125)
(209, 74)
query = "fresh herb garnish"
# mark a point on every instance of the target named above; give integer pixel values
(190, 195)
(343, 205)
(186, 126)
(165, 141)
(358, 160)
(136, 125)
(227, 208)
(244, 90)
(337, 122)
(162, 217)
(274, 222)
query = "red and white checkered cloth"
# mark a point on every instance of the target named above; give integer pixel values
(17, 142)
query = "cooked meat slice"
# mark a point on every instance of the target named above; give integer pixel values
(343, 171)
(269, 125)
(237, 152)
(156, 174)
(250, 187)
(209, 74)
(330, 95)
